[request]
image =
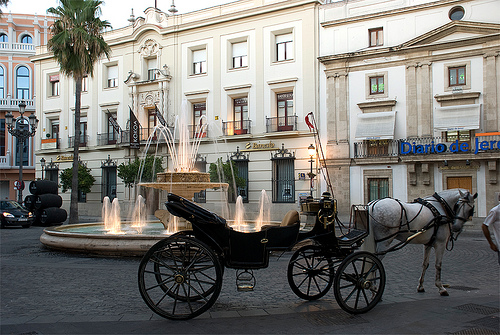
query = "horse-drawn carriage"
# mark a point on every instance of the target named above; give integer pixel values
(180, 277)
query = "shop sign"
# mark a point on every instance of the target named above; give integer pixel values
(64, 158)
(254, 146)
(407, 148)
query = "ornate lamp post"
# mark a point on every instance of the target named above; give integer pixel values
(312, 151)
(42, 164)
(21, 130)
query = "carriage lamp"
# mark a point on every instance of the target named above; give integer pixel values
(312, 151)
(21, 130)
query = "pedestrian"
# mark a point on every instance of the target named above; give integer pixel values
(493, 221)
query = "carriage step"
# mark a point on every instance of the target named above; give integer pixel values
(245, 280)
(352, 236)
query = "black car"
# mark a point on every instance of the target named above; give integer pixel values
(14, 214)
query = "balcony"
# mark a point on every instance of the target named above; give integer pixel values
(231, 128)
(84, 140)
(18, 47)
(5, 162)
(13, 104)
(195, 131)
(50, 143)
(281, 123)
(376, 148)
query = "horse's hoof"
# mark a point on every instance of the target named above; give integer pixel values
(444, 293)
(421, 290)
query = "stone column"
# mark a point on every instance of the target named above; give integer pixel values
(424, 99)
(411, 101)
(491, 92)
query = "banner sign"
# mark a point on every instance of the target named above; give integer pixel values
(160, 117)
(135, 131)
(113, 122)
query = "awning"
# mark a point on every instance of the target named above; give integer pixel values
(465, 117)
(376, 126)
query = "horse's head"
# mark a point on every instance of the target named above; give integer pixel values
(463, 209)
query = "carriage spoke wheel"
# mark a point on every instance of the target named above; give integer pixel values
(180, 277)
(359, 282)
(310, 272)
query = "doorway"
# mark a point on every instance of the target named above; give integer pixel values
(459, 182)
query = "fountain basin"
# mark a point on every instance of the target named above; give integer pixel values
(91, 238)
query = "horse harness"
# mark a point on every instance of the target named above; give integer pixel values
(436, 222)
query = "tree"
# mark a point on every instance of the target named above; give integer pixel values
(77, 44)
(129, 172)
(3, 3)
(226, 173)
(85, 179)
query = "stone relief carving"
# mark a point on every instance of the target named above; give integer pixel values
(149, 48)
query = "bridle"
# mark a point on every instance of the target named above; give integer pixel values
(458, 207)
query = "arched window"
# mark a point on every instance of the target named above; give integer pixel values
(26, 39)
(4, 37)
(2, 83)
(23, 82)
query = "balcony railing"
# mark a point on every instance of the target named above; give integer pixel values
(14, 103)
(426, 146)
(281, 123)
(84, 140)
(5, 162)
(230, 128)
(27, 47)
(195, 131)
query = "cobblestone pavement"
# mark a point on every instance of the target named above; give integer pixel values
(49, 292)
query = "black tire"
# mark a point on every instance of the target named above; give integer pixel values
(180, 278)
(359, 282)
(310, 272)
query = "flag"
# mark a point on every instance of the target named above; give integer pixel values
(135, 131)
(160, 117)
(113, 122)
(310, 121)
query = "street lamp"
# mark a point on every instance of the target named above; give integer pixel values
(312, 151)
(21, 131)
(42, 164)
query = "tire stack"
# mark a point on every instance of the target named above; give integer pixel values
(45, 203)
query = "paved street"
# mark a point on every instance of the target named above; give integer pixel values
(49, 292)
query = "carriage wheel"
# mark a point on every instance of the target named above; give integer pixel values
(359, 282)
(310, 272)
(180, 277)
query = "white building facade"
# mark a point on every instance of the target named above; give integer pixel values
(248, 69)
(410, 98)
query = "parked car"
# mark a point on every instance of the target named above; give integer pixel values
(14, 214)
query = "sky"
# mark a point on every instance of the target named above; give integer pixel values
(115, 11)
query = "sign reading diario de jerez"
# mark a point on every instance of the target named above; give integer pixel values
(407, 148)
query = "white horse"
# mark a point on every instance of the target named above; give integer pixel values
(430, 221)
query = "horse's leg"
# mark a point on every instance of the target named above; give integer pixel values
(439, 249)
(425, 265)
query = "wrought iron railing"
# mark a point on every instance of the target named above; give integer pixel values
(230, 128)
(281, 123)
(84, 140)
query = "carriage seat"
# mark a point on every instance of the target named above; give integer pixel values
(352, 237)
(290, 218)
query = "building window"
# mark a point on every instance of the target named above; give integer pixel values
(376, 37)
(108, 185)
(82, 197)
(112, 76)
(152, 69)
(240, 161)
(456, 13)
(152, 120)
(199, 120)
(240, 57)
(22, 83)
(240, 116)
(4, 38)
(377, 85)
(54, 85)
(54, 128)
(200, 61)
(201, 166)
(285, 111)
(83, 133)
(456, 76)
(112, 133)
(283, 177)
(85, 83)
(460, 135)
(26, 39)
(284, 47)
(378, 188)
(2, 83)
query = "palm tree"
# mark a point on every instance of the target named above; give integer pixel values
(77, 44)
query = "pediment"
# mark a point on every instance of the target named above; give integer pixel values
(454, 31)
